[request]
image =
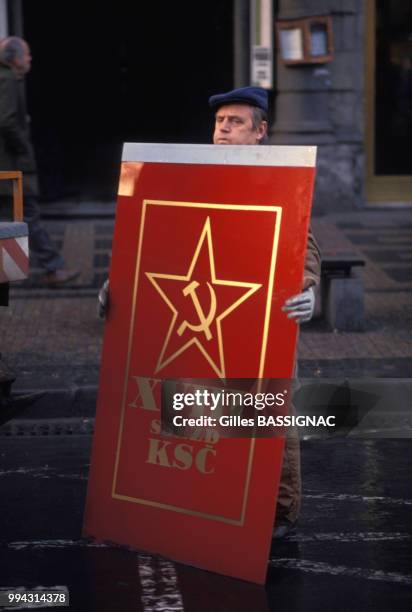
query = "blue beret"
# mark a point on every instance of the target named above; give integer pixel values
(255, 96)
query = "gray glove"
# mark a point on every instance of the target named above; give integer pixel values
(300, 307)
(103, 299)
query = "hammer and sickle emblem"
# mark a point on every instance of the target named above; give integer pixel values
(204, 321)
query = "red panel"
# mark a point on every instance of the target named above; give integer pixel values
(203, 259)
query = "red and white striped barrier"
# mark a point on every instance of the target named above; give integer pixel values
(14, 252)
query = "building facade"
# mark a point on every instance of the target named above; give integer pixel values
(357, 107)
(110, 84)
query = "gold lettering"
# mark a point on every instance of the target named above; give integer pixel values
(157, 453)
(211, 437)
(196, 435)
(155, 427)
(201, 459)
(183, 456)
(145, 398)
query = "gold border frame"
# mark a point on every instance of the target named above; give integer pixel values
(384, 188)
(275, 244)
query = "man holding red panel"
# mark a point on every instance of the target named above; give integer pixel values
(241, 118)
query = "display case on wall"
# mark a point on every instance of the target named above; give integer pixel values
(305, 41)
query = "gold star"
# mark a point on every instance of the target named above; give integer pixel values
(205, 332)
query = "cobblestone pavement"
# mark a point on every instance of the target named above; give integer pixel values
(384, 240)
(354, 536)
(354, 531)
(53, 337)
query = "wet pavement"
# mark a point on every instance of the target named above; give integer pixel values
(353, 548)
(352, 551)
(52, 338)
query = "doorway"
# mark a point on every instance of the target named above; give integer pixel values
(106, 73)
(389, 101)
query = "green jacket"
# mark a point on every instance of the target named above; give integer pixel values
(16, 150)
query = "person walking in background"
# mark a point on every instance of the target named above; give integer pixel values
(16, 153)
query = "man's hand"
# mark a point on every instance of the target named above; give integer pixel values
(300, 307)
(103, 299)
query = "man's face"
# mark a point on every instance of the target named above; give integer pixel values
(22, 64)
(234, 125)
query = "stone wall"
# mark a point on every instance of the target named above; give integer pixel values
(322, 104)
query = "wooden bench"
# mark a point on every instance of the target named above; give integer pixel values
(342, 291)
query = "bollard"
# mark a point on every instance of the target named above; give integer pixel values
(345, 304)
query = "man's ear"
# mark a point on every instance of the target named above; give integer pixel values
(262, 130)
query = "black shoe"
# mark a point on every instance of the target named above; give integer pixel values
(283, 529)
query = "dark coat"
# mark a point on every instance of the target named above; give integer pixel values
(16, 150)
(311, 274)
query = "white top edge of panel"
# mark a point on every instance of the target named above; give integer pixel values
(231, 155)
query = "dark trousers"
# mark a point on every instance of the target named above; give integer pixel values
(290, 486)
(289, 496)
(39, 240)
(40, 243)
